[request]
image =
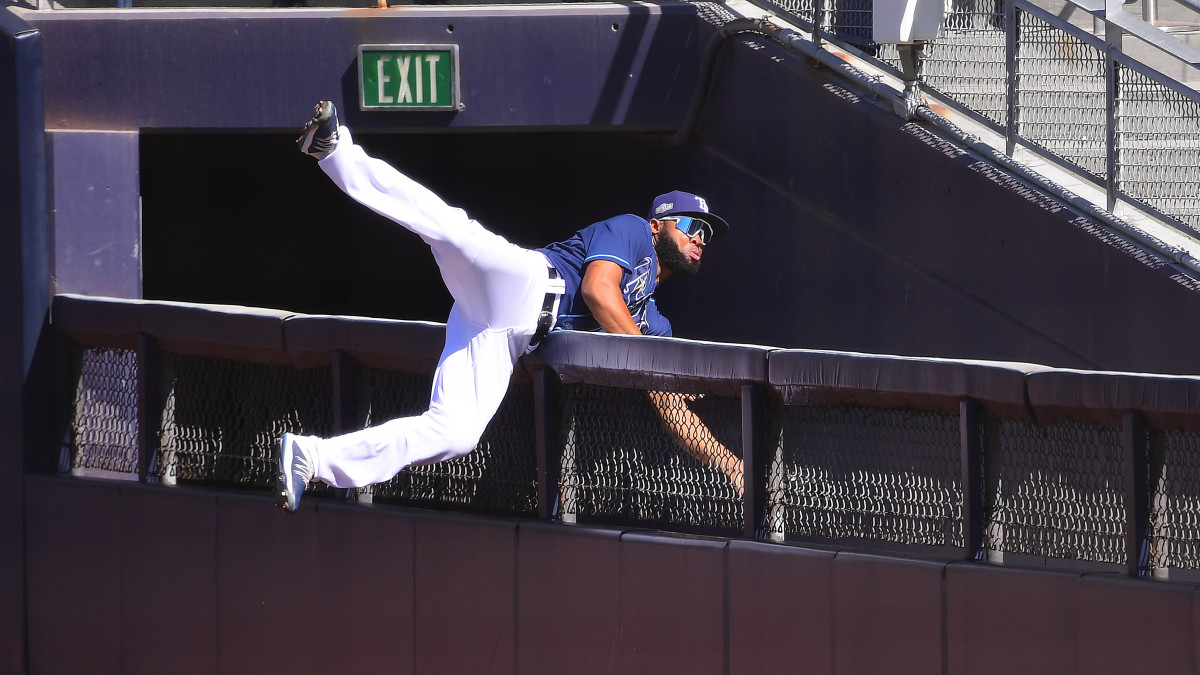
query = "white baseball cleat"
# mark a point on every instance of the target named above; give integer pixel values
(295, 471)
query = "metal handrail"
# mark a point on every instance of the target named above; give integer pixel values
(900, 102)
(1115, 22)
(1113, 13)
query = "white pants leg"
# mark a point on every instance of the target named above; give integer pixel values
(498, 290)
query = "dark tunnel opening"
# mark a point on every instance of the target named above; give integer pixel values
(248, 220)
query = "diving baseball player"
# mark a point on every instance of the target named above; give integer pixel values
(506, 299)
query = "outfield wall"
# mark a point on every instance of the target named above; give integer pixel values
(129, 578)
(1077, 488)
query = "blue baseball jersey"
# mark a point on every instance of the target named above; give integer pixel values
(625, 240)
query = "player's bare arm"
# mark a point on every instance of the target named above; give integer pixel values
(601, 287)
(602, 293)
(690, 432)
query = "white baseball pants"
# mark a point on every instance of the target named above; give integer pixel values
(498, 291)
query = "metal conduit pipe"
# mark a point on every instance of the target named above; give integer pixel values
(794, 41)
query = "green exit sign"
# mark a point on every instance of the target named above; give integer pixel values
(408, 77)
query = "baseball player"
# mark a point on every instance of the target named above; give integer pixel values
(506, 299)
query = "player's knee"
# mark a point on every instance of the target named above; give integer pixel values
(462, 443)
(459, 437)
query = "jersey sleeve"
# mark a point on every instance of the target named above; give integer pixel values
(620, 240)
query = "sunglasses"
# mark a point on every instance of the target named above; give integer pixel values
(693, 226)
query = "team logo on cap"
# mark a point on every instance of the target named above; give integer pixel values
(664, 207)
(703, 204)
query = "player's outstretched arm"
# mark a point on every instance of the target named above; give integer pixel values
(601, 292)
(690, 432)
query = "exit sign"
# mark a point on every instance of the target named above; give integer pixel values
(408, 77)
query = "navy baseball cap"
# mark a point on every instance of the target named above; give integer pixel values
(687, 204)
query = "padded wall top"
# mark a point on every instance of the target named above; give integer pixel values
(1005, 389)
(208, 330)
(648, 362)
(805, 376)
(1167, 401)
(408, 345)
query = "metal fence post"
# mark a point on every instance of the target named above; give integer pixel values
(545, 424)
(1150, 11)
(345, 405)
(1134, 441)
(1154, 561)
(1112, 42)
(818, 19)
(970, 428)
(149, 407)
(64, 403)
(754, 461)
(1010, 58)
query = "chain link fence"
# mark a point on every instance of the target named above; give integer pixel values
(103, 427)
(844, 475)
(967, 63)
(1054, 492)
(621, 463)
(1059, 95)
(222, 419)
(848, 20)
(1158, 143)
(1175, 502)
(864, 475)
(1061, 100)
(499, 476)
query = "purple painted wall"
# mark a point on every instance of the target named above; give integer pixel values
(24, 313)
(855, 230)
(96, 219)
(535, 68)
(178, 580)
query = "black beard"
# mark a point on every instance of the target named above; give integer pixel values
(673, 258)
